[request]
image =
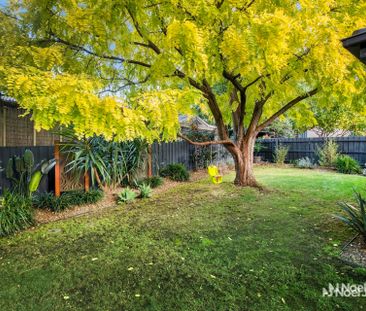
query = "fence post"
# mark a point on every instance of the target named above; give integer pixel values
(149, 161)
(57, 169)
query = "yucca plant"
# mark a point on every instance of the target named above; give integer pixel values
(122, 160)
(126, 195)
(110, 163)
(145, 191)
(355, 216)
(84, 156)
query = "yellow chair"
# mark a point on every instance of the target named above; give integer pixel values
(215, 176)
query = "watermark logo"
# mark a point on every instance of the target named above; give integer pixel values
(345, 290)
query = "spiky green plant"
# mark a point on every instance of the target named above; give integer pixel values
(145, 191)
(355, 216)
(110, 163)
(126, 195)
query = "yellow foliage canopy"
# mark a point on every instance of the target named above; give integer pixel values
(128, 68)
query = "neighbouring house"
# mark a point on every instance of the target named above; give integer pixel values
(188, 123)
(318, 132)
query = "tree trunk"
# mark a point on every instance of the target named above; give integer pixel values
(243, 159)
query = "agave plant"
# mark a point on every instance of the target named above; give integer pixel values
(355, 215)
(145, 191)
(126, 195)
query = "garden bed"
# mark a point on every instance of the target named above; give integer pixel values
(109, 201)
(355, 253)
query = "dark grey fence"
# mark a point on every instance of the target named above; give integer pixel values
(167, 153)
(40, 153)
(307, 147)
(181, 152)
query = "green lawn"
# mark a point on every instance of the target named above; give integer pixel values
(197, 247)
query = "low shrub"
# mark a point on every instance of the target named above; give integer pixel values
(126, 195)
(49, 201)
(347, 165)
(304, 163)
(328, 153)
(66, 200)
(79, 197)
(176, 171)
(355, 216)
(153, 182)
(258, 147)
(16, 213)
(280, 154)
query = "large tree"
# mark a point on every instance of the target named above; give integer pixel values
(244, 62)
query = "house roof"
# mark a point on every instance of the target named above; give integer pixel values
(7, 101)
(196, 122)
(356, 43)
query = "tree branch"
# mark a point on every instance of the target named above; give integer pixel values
(286, 107)
(206, 143)
(256, 80)
(215, 109)
(246, 7)
(104, 56)
(233, 80)
(220, 3)
(152, 45)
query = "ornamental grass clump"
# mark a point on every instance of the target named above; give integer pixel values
(16, 213)
(328, 153)
(280, 154)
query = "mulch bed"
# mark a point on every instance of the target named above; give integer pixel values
(355, 253)
(109, 201)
